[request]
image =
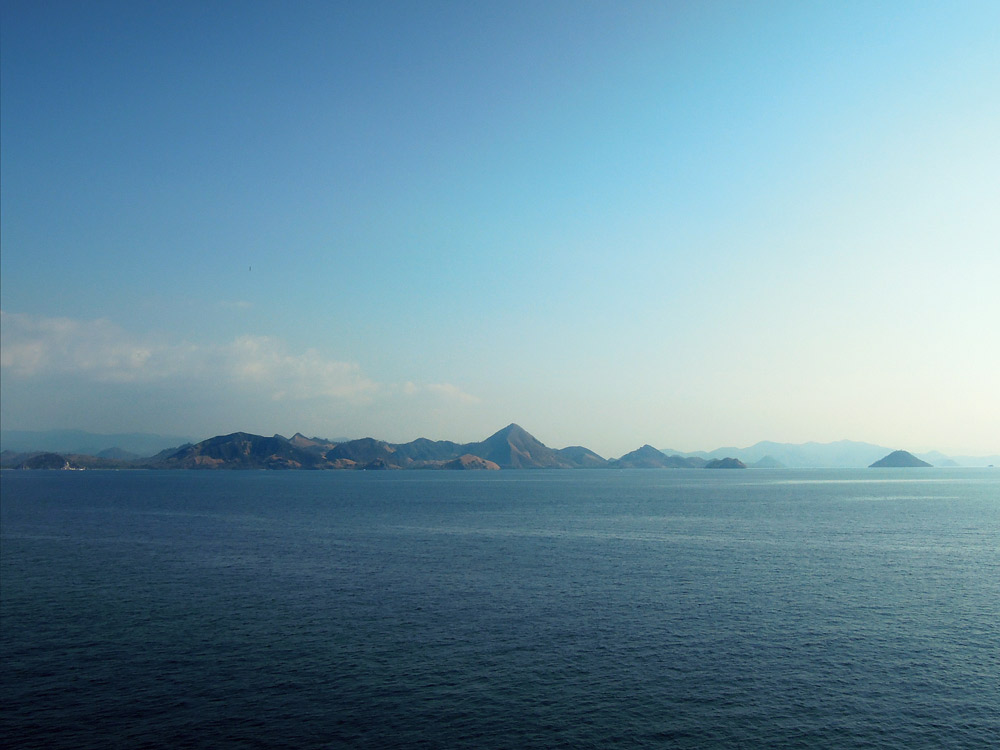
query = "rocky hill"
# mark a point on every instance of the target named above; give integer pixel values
(582, 458)
(469, 462)
(241, 450)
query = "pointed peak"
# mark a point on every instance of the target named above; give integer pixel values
(511, 430)
(899, 459)
(646, 450)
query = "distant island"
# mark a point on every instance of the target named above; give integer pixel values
(768, 462)
(509, 448)
(647, 457)
(725, 463)
(899, 460)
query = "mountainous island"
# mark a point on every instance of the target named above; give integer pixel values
(647, 457)
(509, 448)
(900, 460)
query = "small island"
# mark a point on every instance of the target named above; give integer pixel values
(725, 463)
(899, 460)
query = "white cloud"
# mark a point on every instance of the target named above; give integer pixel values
(33, 348)
(102, 352)
(265, 361)
(34, 345)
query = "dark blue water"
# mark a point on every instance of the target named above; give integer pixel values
(583, 609)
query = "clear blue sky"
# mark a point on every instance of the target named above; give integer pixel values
(687, 224)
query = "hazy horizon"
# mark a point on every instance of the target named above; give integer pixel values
(688, 225)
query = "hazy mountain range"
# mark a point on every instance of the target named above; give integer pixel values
(509, 448)
(137, 444)
(840, 454)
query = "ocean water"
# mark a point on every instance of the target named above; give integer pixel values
(576, 609)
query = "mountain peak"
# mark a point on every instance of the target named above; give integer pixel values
(511, 430)
(515, 448)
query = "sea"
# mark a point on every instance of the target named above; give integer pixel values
(511, 609)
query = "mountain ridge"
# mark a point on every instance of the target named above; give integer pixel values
(512, 447)
(87, 443)
(509, 448)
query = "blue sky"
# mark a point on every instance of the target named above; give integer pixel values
(687, 224)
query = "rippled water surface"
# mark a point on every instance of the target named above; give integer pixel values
(596, 609)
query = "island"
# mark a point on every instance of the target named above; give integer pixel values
(725, 463)
(899, 460)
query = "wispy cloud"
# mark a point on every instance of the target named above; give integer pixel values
(100, 351)
(32, 346)
(266, 362)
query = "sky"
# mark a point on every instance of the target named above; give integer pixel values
(689, 224)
